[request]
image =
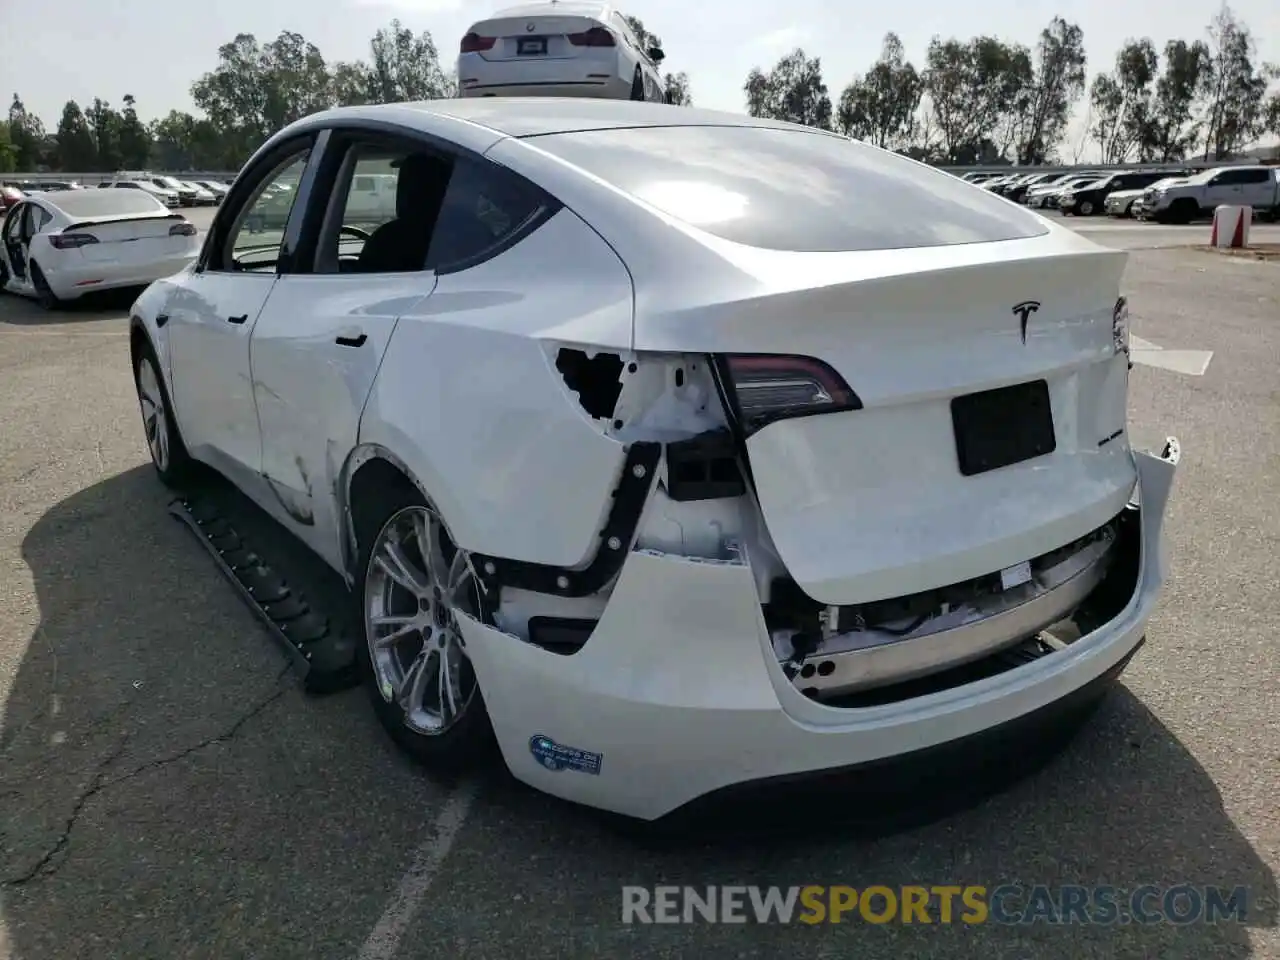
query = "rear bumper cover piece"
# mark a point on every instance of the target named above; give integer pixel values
(679, 692)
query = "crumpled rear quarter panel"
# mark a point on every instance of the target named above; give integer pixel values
(469, 399)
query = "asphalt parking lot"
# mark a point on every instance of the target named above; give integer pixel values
(167, 791)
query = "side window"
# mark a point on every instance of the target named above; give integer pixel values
(13, 223)
(385, 201)
(253, 242)
(1227, 178)
(484, 207)
(40, 216)
(1254, 176)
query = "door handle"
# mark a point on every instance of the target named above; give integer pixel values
(351, 341)
(240, 319)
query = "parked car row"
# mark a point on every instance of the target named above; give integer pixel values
(1177, 196)
(171, 191)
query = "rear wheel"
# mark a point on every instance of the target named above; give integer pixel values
(637, 85)
(45, 296)
(414, 659)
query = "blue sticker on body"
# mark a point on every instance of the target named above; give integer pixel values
(556, 756)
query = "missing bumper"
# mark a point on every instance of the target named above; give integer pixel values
(977, 631)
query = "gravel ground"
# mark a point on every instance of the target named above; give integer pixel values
(167, 792)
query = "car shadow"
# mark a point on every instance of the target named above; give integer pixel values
(22, 312)
(1125, 804)
(165, 787)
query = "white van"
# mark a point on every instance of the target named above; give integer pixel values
(372, 198)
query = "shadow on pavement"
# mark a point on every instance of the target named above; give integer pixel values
(1124, 805)
(22, 312)
(165, 788)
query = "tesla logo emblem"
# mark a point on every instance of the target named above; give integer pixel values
(529, 27)
(1024, 310)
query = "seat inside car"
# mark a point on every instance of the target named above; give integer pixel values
(401, 244)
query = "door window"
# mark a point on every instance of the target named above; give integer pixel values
(400, 208)
(254, 241)
(13, 223)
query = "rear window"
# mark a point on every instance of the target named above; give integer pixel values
(793, 190)
(107, 203)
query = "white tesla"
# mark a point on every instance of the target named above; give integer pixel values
(678, 450)
(60, 246)
(559, 48)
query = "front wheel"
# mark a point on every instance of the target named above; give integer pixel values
(414, 660)
(1086, 209)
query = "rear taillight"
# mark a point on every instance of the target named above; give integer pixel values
(183, 229)
(595, 37)
(768, 387)
(70, 241)
(474, 43)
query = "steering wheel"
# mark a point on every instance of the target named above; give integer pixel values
(354, 232)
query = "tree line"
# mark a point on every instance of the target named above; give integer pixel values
(980, 100)
(255, 89)
(983, 100)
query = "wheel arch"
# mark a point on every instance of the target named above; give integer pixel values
(370, 468)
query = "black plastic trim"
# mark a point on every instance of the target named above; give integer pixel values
(541, 629)
(693, 465)
(629, 498)
(83, 224)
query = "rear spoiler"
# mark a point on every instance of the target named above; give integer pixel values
(84, 224)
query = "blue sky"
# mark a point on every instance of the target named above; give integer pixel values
(79, 49)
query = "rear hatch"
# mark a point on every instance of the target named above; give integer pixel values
(927, 378)
(134, 240)
(540, 38)
(968, 451)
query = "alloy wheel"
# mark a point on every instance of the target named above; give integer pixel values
(415, 582)
(155, 419)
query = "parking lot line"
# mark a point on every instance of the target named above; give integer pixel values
(384, 940)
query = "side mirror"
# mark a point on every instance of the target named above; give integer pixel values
(656, 54)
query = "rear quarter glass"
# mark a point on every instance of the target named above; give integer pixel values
(793, 190)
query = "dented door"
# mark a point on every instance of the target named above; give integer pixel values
(315, 352)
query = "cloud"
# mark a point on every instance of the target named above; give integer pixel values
(782, 40)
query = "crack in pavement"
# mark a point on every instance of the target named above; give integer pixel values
(100, 782)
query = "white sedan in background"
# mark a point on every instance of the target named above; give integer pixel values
(60, 246)
(675, 450)
(558, 49)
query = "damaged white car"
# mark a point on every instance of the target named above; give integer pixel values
(675, 450)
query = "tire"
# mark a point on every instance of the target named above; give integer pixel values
(465, 740)
(1184, 211)
(637, 85)
(1086, 208)
(45, 296)
(169, 454)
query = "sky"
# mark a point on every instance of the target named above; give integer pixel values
(79, 49)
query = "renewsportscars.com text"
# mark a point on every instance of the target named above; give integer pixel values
(1177, 904)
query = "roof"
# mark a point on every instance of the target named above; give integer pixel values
(568, 8)
(537, 116)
